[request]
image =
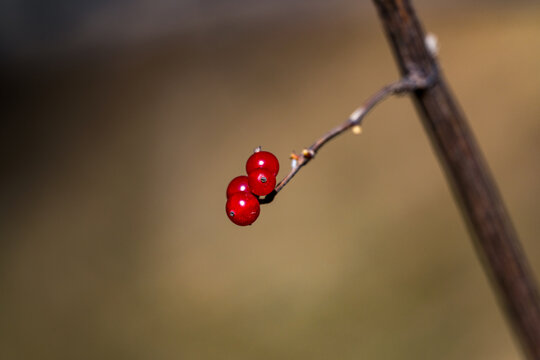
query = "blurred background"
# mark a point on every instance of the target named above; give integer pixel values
(123, 122)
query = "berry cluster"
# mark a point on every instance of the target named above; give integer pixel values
(242, 193)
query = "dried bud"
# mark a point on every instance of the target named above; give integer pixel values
(357, 129)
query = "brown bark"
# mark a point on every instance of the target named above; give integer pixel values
(473, 185)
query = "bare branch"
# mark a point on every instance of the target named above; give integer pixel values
(474, 187)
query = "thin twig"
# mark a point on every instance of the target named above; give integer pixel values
(407, 84)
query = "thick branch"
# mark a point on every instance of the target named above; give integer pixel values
(473, 185)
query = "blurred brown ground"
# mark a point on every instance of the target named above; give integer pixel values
(114, 239)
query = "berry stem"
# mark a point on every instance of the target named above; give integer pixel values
(407, 84)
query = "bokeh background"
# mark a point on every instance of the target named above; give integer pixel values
(123, 121)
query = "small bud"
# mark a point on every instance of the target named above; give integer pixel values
(308, 153)
(356, 114)
(357, 130)
(432, 44)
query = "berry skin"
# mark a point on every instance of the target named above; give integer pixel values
(243, 208)
(262, 160)
(238, 185)
(261, 182)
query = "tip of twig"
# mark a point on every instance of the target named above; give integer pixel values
(257, 149)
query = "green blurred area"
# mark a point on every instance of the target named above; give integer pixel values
(115, 243)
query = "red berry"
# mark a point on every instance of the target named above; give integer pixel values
(262, 160)
(238, 185)
(261, 182)
(243, 208)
